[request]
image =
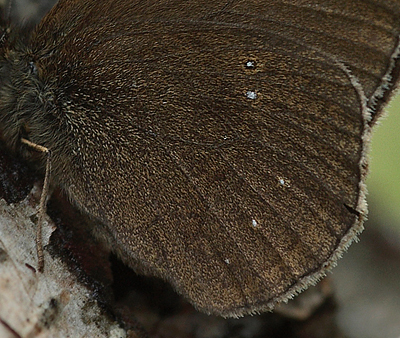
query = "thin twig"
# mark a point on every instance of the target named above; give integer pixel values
(42, 203)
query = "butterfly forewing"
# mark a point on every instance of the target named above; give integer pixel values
(221, 143)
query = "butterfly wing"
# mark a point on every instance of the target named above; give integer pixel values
(222, 144)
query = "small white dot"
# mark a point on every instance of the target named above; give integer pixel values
(227, 261)
(251, 95)
(282, 181)
(254, 223)
(250, 64)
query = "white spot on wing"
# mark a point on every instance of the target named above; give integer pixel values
(283, 182)
(251, 94)
(250, 64)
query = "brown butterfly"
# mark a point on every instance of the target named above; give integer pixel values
(221, 144)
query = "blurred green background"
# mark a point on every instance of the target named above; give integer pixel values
(384, 179)
(367, 278)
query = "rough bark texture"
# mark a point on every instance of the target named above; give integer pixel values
(42, 304)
